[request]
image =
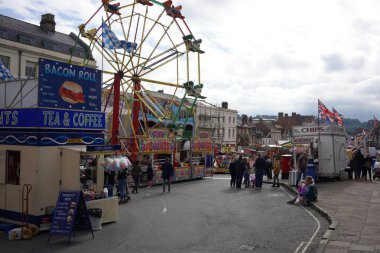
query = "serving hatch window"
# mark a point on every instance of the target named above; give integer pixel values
(13, 167)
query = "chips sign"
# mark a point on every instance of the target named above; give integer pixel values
(68, 86)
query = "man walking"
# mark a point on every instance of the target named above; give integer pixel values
(136, 173)
(259, 173)
(232, 170)
(167, 172)
(240, 168)
(302, 166)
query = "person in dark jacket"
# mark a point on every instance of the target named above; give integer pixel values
(167, 172)
(150, 175)
(359, 158)
(268, 167)
(259, 173)
(136, 173)
(302, 167)
(240, 168)
(122, 183)
(232, 170)
(109, 181)
(367, 165)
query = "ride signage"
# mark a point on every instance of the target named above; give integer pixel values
(156, 146)
(200, 145)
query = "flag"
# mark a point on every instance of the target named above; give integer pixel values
(338, 117)
(5, 74)
(375, 122)
(325, 113)
(110, 40)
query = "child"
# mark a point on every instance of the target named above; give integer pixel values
(252, 179)
(307, 192)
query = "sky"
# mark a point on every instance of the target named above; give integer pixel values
(265, 57)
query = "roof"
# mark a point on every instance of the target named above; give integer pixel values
(63, 43)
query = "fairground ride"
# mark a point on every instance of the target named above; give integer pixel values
(145, 47)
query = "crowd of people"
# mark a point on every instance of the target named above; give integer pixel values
(361, 166)
(244, 171)
(258, 166)
(120, 179)
(254, 169)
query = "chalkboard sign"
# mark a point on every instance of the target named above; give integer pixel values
(70, 213)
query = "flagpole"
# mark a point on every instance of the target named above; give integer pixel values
(319, 132)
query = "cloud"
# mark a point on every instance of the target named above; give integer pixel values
(262, 56)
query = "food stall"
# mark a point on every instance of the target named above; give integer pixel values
(44, 137)
(327, 148)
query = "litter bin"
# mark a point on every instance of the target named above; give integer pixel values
(95, 218)
(310, 170)
(286, 165)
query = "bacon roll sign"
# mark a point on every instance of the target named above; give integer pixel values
(68, 86)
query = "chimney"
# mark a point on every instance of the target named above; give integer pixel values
(250, 120)
(47, 22)
(225, 105)
(244, 119)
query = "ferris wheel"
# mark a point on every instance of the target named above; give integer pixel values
(147, 49)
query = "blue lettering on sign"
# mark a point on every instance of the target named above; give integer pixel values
(51, 118)
(53, 94)
(59, 71)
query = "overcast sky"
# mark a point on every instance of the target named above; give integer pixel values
(268, 56)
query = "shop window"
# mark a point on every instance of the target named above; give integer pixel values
(88, 169)
(30, 69)
(13, 167)
(5, 60)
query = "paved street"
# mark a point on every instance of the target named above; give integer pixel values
(197, 216)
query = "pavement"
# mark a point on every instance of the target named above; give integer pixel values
(353, 210)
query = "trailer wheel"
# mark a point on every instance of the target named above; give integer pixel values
(26, 233)
(34, 228)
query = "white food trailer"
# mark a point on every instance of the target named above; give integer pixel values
(327, 148)
(42, 139)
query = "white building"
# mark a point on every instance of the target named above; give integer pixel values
(219, 122)
(22, 44)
